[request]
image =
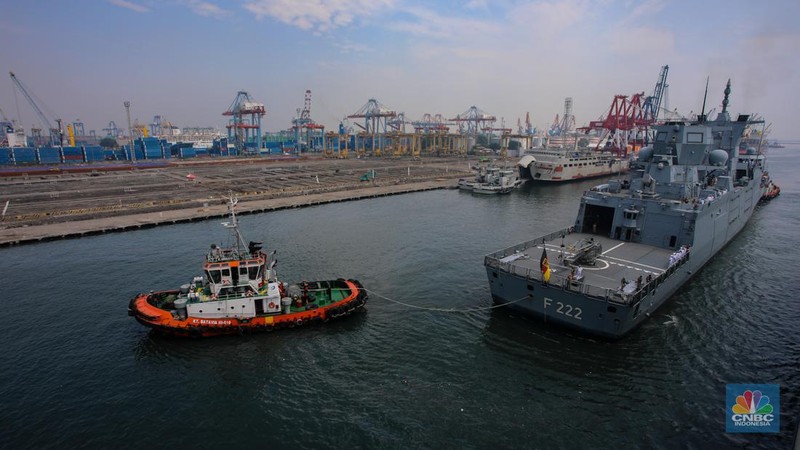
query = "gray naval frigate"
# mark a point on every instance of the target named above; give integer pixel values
(636, 241)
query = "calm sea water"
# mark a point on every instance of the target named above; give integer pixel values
(76, 371)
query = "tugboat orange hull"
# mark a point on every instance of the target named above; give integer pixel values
(146, 313)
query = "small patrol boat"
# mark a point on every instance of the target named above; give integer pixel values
(240, 293)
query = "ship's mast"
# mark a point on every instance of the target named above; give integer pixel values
(234, 223)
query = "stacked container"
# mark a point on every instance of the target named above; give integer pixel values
(49, 155)
(73, 155)
(24, 155)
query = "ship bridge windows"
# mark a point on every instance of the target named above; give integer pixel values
(661, 136)
(214, 276)
(694, 138)
(253, 272)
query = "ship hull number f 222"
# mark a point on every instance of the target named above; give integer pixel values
(564, 309)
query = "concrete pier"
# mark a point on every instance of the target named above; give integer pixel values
(49, 207)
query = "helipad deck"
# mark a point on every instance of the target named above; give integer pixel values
(618, 260)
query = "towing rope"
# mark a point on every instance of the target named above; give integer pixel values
(427, 308)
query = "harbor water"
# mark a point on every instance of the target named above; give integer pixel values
(76, 371)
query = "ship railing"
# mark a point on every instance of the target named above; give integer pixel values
(500, 254)
(226, 255)
(649, 287)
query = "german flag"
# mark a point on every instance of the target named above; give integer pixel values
(544, 264)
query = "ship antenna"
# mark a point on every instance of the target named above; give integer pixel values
(703, 111)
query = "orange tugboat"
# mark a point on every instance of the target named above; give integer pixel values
(241, 293)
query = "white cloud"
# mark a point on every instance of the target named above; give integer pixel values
(319, 15)
(550, 20)
(348, 46)
(129, 5)
(477, 4)
(427, 23)
(207, 9)
(646, 8)
(641, 40)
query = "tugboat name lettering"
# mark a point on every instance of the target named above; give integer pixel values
(214, 322)
(565, 309)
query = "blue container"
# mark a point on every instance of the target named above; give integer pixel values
(24, 155)
(188, 152)
(148, 143)
(49, 155)
(5, 156)
(94, 153)
(137, 154)
(73, 155)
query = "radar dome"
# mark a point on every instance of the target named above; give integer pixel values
(646, 153)
(718, 157)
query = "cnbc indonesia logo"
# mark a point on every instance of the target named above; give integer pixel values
(752, 411)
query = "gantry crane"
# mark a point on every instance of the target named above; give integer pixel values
(244, 128)
(304, 126)
(376, 117)
(473, 120)
(627, 123)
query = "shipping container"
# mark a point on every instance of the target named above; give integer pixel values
(137, 154)
(24, 155)
(49, 155)
(5, 156)
(94, 153)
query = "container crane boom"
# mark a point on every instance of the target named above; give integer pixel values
(53, 131)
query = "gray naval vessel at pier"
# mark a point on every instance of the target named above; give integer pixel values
(635, 242)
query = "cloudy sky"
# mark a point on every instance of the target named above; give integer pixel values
(186, 59)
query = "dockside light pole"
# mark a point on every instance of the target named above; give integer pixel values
(130, 132)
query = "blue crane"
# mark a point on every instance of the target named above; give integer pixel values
(652, 104)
